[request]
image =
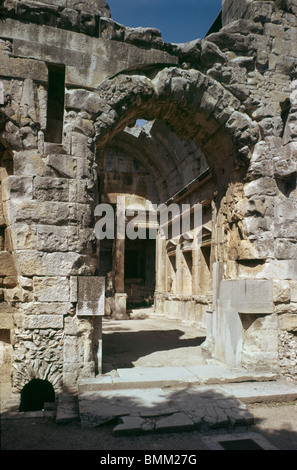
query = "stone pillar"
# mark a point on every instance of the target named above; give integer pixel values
(119, 259)
(91, 305)
(120, 302)
(179, 270)
(97, 343)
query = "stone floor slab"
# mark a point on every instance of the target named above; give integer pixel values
(152, 376)
(177, 422)
(257, 392)
(217, 373)
(168, 408)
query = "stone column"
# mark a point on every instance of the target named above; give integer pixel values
(120, 302)
(119, 259)
(90, 306)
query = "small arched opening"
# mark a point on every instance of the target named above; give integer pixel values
(35, 394)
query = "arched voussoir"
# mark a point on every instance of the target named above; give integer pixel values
(194, 105)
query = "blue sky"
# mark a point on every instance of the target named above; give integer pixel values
(178, 20)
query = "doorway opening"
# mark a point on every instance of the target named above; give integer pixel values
(140, 268)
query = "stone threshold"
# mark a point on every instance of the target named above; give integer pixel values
(148, 377)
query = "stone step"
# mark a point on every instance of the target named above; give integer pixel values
(149, 377)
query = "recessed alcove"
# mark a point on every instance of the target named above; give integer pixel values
(35, 394)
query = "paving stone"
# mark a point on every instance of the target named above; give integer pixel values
(67, 410)
(176, 422)
(100, 407)
(237, 417)
(167, 409)
(129, 425)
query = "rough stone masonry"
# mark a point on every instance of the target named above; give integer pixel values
(219, 130)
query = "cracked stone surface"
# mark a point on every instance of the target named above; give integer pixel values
(160, 410)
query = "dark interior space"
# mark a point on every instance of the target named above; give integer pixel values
(55, 104)
(240, 444)
(35, 394)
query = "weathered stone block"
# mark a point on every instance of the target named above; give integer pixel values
(24, 68)
(260, 349)
(90, 296)
(83, 100)
(73, 289)
(32, 322)
(51, 289)
(286, 249)
(262, 186)
(64, 165)
(288, 322)
(81, 215)
(69, 19)
(246, 295)
(7, 264)
(272, 269)
(24, 236)
(27, 163)
(6, 321)
(34, 263)
(52, 238)
(17, 294)
(47, 308)
(72, 351)
(78, 192)
(285, 209)
(211, 54)
(44, 213)
(293, 285)
(51, 189)
(281, 291)
(85, 169)
(17, 187)
(274, 30)
(255, 226)
(73, 371)
(81, 240)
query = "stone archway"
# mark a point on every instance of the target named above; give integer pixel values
(195, 107)
(35, 394)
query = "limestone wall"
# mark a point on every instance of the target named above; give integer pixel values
(234, 10)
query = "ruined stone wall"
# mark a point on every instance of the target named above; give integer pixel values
(234, 10)
(48, 199)
(233, 93)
